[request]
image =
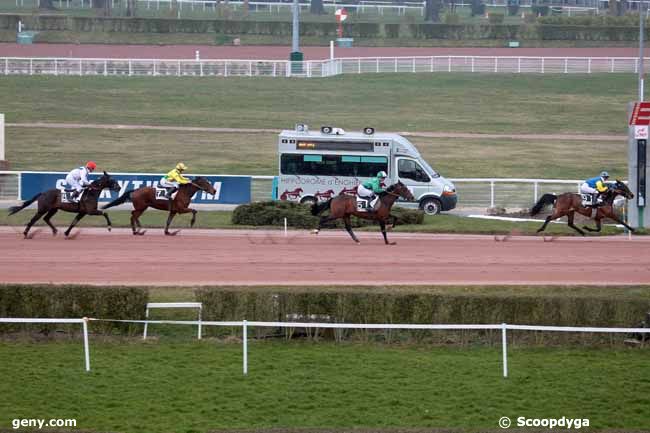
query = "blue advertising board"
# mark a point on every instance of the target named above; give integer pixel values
(230, 189)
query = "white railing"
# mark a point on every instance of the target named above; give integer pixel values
(472, 192)
(245, 324)
(314, 68)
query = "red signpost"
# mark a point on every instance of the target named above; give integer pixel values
(640, 114)
(341, 15)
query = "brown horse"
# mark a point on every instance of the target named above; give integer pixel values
(570, 203)
(145, 197)
(49, 203)
(344, 206)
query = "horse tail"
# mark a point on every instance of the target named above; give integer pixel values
(544, 201)
(121, 199)
(14, 209)
(318, 208)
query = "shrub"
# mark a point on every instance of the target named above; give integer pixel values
(496, 18)
(452, 19)
(73, 302)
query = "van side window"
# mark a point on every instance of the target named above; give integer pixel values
(332, 165)
(409, 169)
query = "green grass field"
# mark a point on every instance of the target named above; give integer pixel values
(169, 386)
(458, 103)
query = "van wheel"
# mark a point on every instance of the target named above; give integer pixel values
(431, 206)
(308, 200)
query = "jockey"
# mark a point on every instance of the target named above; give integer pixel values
(369, 188)
(77, 179)
(595, 186)
(173, 179)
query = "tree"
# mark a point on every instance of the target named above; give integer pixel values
(316, 7)
(432, 11)
(46, 4)
(130, 8)
(103, 5)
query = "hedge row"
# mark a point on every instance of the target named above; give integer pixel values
(73, 302)
(372, 307)
(273, 213)
(546, 28)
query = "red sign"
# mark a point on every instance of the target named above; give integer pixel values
(640, 114)
(341, 15)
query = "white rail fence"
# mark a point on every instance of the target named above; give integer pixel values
(314, 68)
(472, 192)
(246, 324)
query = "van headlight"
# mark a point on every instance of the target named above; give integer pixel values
(448, 190)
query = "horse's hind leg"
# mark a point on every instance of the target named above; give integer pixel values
(570, 221)
(31, 222)
(47, 217)
(348, 227)
(322, 222)
(169, 222)
(135, 221)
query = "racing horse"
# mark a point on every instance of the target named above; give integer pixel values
(145, 197)
(49, 203)
(569, 203)
(344, 206)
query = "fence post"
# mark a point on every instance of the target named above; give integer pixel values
(146, 324)
(566, 65)
(245, 343)
(491, 193)
(86, 349)
(200, 333)
(519, 64)
(504, 344)
(536, 191)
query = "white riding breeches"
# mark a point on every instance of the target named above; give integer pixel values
(168, 183)
(364, 192)
(586, 189)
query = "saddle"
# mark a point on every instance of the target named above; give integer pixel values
(67, 196)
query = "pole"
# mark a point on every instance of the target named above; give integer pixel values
(504, 345)
(2, 137)
(245, 343)
(641, 37)
(86, 349)
(295, 35)
(331, 50)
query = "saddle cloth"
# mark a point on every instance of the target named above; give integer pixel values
(67, 197)
(587, 200)
(363, 204)
(161, 193)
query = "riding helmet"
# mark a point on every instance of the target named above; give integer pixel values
(181, 166)
(382, 174)
(604, 174)
(91, 165)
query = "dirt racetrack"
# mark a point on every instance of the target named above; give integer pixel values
(234, 257)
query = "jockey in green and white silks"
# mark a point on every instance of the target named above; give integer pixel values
(369, 188)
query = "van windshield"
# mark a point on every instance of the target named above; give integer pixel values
(429, 169)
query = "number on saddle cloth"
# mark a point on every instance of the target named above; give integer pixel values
(67, 196)
(364, 204)
(161, 193)
(586, 199)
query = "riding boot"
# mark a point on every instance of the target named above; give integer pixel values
(370, 208)
(169, 197)
(594, 200)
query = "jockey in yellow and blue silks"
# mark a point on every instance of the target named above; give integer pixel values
(173, 179)
(369, 188)
(595, 186)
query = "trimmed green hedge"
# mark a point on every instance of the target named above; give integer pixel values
(603, 28)
(273, 213)
(378, 306)
(73, 302)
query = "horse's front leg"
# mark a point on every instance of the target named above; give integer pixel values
(96, 212)
(74, 223)
(570, 222)
(382, 225)
(169, 221)
(597, 229)
(618, 221)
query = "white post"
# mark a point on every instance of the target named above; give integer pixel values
(245, 342)
(2, 137)
(504, 345)
(200, 309)
(197, 55)
(491, 193)
(146, 316)
(536, 191)
(285, 226)
(331, 50)
(86, 349)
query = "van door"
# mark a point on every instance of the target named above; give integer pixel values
(411, 173)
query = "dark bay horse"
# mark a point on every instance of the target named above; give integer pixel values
(344, 206)
(49, 203)
(570, 203)
(145, 197)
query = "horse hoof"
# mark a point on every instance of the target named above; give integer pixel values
(140, 232)
(174, 233)
(392, 243)
(315, 232)
(109, 228)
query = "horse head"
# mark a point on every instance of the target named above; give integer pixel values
(401, 190)
(204, 185)
(620, 188)
(105, 181)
